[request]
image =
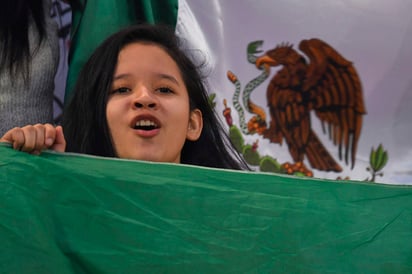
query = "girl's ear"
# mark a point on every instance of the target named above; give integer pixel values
(195, 126)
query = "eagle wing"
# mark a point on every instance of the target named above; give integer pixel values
(335, 95)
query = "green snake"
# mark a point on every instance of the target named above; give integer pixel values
(238, 107)
(252, 49)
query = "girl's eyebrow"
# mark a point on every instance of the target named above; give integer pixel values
(159, 75)
(168, 77)
(121, 76)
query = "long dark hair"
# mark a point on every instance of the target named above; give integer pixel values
(84, 118)
(15, 19)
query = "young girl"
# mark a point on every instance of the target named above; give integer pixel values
(138, 97)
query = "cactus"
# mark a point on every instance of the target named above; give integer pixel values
(377, 161)
(269, 164)
(251, 156)
(211, 100)
(237, 138)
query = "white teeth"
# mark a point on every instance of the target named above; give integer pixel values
(145, 123)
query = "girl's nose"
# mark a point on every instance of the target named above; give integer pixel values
(143, 104)
(144, 98)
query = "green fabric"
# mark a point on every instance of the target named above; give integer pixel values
(100, 18)
(65, 213)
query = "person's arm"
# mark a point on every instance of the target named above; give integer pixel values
(34, 139)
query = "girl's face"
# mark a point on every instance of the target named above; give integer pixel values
(148, 107)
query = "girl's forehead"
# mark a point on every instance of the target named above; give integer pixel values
(146, 56)
(138, 51)
(144, 46)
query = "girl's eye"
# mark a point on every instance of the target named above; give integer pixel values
(120, 90)
(165, 90)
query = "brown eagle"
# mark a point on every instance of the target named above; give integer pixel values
(328, 85)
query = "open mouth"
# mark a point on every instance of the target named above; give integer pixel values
(145, 125)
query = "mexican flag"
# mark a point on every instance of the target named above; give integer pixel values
(281, 73)
(309, 89)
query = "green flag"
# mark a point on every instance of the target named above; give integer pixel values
(67, 213)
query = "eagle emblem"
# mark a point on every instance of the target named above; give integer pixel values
(324, 83)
